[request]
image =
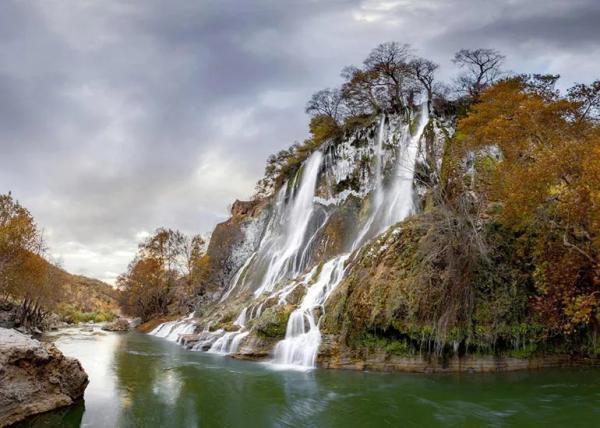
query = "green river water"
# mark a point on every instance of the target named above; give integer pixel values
(141, 381)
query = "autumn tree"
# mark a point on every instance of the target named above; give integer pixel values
(24, 273)
(546, 188)
(167, 270)
(383, 83)
(481, 69)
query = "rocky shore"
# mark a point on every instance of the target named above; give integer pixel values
(35, 377)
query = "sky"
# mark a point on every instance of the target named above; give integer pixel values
(118, 117)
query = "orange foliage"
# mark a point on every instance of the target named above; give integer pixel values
(547, 184)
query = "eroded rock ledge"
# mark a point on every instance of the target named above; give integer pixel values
(35, 377)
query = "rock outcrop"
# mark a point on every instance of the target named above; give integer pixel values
(35, 377)
(120, 324)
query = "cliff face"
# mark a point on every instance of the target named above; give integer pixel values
(278, 258)
(234, 240)
(35, 377)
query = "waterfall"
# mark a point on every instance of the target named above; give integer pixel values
(401, 200)
(238, 277)
(173, 330)
(394, 203)
(283, 260)
(229, 343)
(280, 262)
(303, 337)
(241, 319)
(378, 198)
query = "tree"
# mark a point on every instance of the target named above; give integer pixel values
(143, 293)
(543, 85)
(390, 63)
(482, 69)
(545, 189)
(24, 274)
(423, 71)
(327, 102)
(362, 92)
(383, 83)
(167, 273)
(587, 97)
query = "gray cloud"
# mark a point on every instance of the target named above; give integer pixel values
(117, 117)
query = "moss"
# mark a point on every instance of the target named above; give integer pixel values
(382, 300)
(273, 321)
(392, 346)
(525, 352)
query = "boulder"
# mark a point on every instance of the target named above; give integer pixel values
(134, 323)
(120, 324)
(35, 377)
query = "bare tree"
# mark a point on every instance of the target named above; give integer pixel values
(389, 61)
(423, 71)
(482, 69)
(328, 102)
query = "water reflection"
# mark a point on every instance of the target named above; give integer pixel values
(142, 381)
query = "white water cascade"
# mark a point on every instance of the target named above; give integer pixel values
(394, 203)
(173, 330)
(229, 343)
(400, 197)
(303, 337)
(378, 197)
(282, 252)
(284, 258)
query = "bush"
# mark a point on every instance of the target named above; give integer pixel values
(74, 316)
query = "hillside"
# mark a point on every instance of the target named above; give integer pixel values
(85, 298)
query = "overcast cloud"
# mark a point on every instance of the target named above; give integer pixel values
(117, 117)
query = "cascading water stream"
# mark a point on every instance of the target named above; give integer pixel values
(282, 252)
(378, 197)
(283, 259)
(303, 337)
(401, 198)
(173, 330)
(394, 203)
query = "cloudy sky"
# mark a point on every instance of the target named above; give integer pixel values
(117, 117)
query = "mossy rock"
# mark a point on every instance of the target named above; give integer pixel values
(273, 321)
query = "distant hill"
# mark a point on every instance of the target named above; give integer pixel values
(83, 295)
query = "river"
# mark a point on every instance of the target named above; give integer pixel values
(138, 380)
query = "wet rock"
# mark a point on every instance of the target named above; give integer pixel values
(120, 324)
(35, 377)
(53, 322)
(273, 321)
